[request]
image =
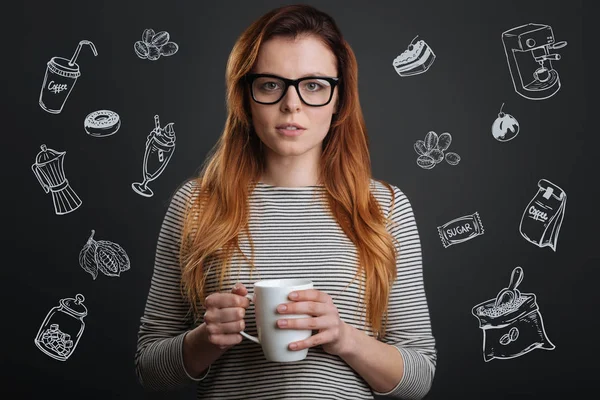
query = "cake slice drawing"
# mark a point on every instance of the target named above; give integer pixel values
(414, 60)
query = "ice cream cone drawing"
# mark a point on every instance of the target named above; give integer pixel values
(104, 256)
(160, 147)
(62, 328)
(49, 170)
(543, 216)
(511, 323)
(59, 80)
(153, 45)
(414, 60)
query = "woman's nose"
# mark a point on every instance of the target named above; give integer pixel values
(291, 100)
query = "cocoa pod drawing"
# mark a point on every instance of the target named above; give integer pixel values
(87, 257)
(104, 256)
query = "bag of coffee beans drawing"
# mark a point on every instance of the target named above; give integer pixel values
(543, 216)
(511, 323)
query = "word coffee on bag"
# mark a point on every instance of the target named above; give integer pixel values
(460, 229)
(543, 215)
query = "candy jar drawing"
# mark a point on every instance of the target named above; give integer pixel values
(59, 80)
(49, 170)
(62, 328)
(160, 146)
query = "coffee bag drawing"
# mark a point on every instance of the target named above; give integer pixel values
(102, 123)
(511, 323)
(153, 45)
(431, 150)
(543, 216)
(104, 256)
(416, 59)
(160, 146)
(528, 52)
(59, 80)
(49, 170)
(62, 328)
(460, 229)
(505, 127)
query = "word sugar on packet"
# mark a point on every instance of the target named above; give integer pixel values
(460, 229)
(543, 216)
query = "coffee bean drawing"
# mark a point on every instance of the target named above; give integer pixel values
(153, 45)
(431, 150)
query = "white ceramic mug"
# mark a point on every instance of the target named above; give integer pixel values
(268, 294)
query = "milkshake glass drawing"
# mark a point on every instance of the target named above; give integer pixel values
(59, 80)
(159, 150)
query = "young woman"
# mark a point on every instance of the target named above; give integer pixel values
(288, 193)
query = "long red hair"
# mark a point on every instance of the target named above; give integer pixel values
(219, 209)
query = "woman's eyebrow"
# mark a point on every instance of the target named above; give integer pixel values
(309, 74)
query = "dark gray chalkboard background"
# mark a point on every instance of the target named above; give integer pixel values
(460, 94)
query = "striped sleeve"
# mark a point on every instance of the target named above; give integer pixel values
(166, 319)
(409, 327)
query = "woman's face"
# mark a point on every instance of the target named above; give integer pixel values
(294, 59)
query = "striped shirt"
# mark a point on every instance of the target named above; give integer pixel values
(295, 236)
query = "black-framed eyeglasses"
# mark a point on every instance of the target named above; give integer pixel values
(315, 91)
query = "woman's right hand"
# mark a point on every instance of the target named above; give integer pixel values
(224, 316)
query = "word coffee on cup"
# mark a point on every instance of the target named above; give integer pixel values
(60, 78)
(275, 341)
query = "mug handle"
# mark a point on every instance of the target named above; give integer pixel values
(244, 334)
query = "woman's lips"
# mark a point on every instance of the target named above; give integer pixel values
(290, 132)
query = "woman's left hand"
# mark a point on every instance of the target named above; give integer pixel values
(333, 333)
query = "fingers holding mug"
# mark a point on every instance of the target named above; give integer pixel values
(226, 328)
(225, 341)
(215, 316)
(239, 289)
(224, 316)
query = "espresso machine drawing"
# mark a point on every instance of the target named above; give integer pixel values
(49, 170)
(160, 146)
(527, 48)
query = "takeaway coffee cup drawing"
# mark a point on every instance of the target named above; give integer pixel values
(60, 78)
(268, 294)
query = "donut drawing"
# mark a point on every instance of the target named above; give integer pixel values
(102, 123)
